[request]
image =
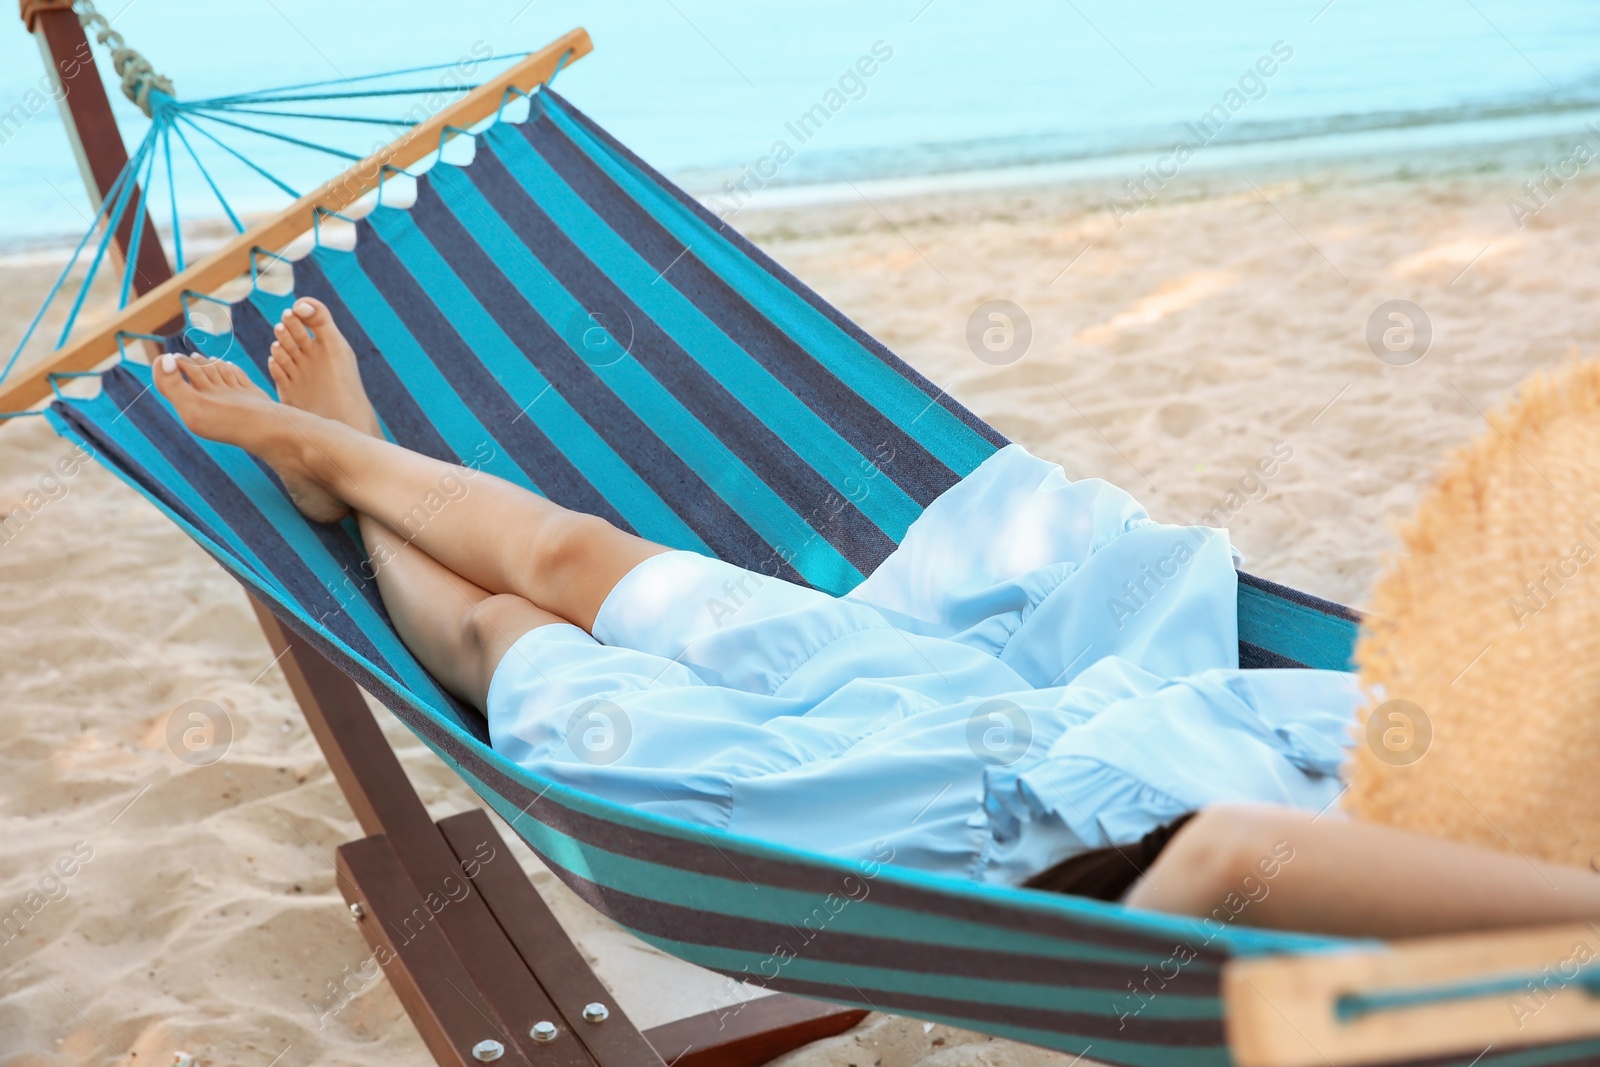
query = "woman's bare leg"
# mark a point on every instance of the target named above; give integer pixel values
(499, 536)
(1278, 867)
(316, 370)
(457, 630)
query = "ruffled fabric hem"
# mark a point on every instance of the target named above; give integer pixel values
(1272, 736)
(1038, 670)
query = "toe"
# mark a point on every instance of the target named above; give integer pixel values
(313, 312)
(234, 375)
(291, 345)
(295, 327)
(194, 371)
(169, 378)
(213, 370)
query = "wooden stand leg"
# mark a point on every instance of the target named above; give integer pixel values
(746, 1036)
(544, 946)
(759, 1031)
(383, 800)
(416, 957)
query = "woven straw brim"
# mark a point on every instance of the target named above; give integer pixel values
(1489, 623)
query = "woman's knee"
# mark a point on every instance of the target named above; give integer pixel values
(1225, 849)
(570, 544)
(493, 625)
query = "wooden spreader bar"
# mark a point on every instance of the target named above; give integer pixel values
(163, 303)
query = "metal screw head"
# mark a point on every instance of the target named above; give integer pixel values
(488, 1050)
(543, 1030)
(596, 1012)
(357, 911)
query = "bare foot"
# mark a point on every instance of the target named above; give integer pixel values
(315, 368)
(219, 402)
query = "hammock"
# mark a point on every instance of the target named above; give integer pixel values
(561, 315)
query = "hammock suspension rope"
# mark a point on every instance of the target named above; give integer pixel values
(212, 119)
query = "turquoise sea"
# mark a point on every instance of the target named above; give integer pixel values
(754, 95)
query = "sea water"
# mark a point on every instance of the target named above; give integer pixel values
(737, 99)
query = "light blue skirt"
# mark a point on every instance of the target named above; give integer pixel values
(1038, 670)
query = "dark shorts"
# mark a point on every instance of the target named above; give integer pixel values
(1107, 873)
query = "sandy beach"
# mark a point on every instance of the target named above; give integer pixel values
(1171, 349)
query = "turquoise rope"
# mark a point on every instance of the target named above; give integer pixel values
(206, 174)
(505, 99)
(113, 221)
(61, 279)
(54, 375)
(316, 223)
(312, 145)
(286, 187)
(255, 268)
(188, 320)
(307, 115)
(172, 196)
(1352, 1006)
(136, 241)
(387, 169)
(114, 206)
(123, 335)
(559, 64)
(363, 77)
(359, 94)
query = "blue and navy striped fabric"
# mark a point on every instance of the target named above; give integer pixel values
(561, 315)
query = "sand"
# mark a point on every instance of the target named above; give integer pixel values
(1169, 354)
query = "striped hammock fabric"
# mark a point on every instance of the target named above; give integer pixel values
(559, 314)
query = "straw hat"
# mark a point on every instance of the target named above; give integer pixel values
(1482, 651)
